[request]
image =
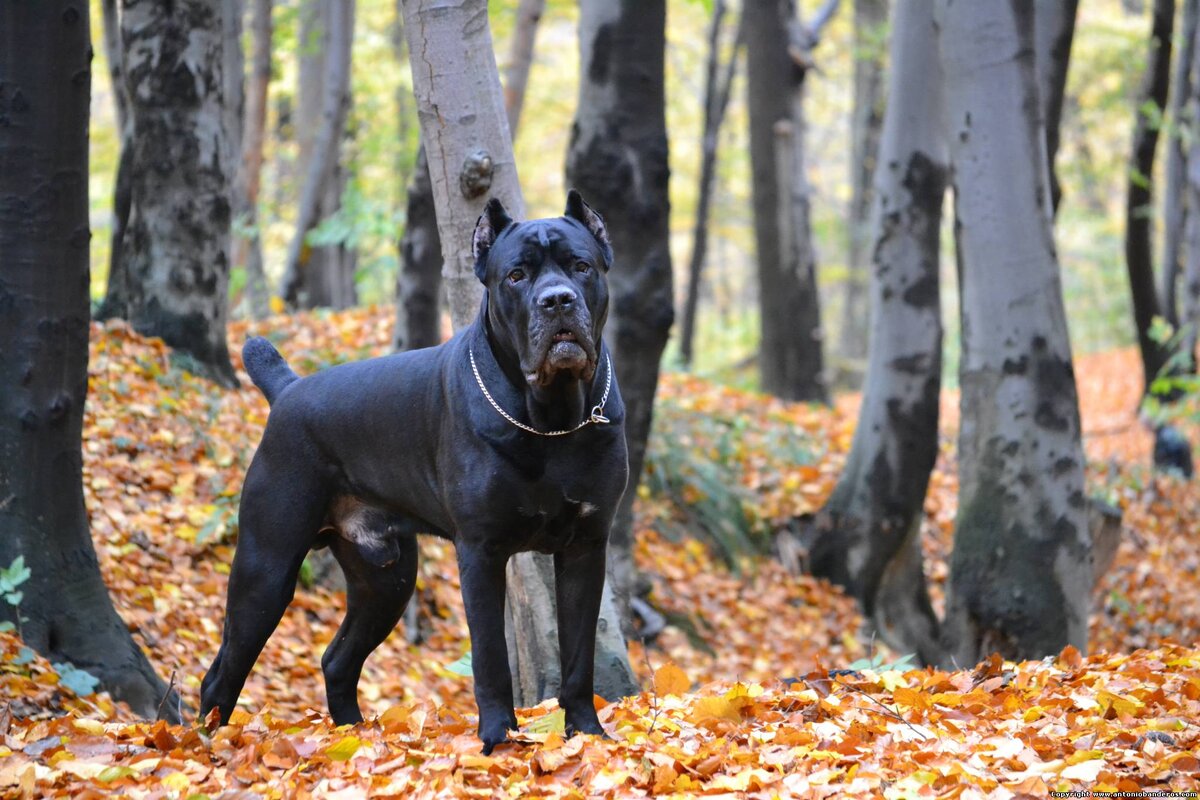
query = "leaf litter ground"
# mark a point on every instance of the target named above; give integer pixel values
(740, 700)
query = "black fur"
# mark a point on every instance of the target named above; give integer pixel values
(363, 456)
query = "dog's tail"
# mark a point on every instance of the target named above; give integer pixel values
(270, 373)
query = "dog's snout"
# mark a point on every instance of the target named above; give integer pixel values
(556, 297)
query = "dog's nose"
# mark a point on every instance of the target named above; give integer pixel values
(556, 297)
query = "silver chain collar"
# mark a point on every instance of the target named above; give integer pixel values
(595, 418)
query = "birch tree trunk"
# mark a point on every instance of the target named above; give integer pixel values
(1139, 201)
(867, 537)
(870, 25)
(176, 248)
(1054, 30)
(248, 248)
(717, 87)
(465, 128)
(618, 160)
(790, 360)
(321, 275)
(520, 59)
(66, 613)
(1021, 570)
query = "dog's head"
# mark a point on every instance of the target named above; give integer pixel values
(547, 290)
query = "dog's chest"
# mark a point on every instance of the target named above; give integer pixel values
(545, 515)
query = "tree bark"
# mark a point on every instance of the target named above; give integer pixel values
(520, 59)
(322, 276)
(177, 245)
(419, 281)
(66, 613)
(717, 88)
(1139, 201)
(247, 247)
(790, 360)
(465, 129)
(1054, 30)
(867, 537)
(870, 22)
(618, 160)
(115, 303)
(1175, 209)
(1021, 570)
(1191, 277)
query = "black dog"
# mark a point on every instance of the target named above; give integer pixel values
(507, 438)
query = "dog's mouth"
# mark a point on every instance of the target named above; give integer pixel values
(566, 350)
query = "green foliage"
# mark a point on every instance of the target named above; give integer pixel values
(11, 577)
(79, 681)
(695, 461)
(462, 666)
(876, 663)
(1174, 393)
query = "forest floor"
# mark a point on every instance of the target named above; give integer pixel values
(739, 702)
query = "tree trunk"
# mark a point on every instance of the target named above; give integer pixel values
(867, 537)
(520, 59)
(618, 160)
(248, 246)
(717, 89)
(321, 275)
(870, 24)
(1021, 571)
(1174, 207)
(1191, 277)
(66, 613)
(419, 280)
(1139, 202)
(790, 359)
(464, 126)
(1054, 30)
(115, 302)
(176, 248)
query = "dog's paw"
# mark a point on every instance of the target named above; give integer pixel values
(585, 724)
(495, 731)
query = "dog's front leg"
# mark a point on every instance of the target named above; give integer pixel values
(482, 577)
(578, 586)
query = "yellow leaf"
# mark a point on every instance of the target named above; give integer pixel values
(1120, 703)
(554, 722)
(345, 749)
(1080, 756)
(670, 679)
(91, 726)
(177, 782)
(277, 306)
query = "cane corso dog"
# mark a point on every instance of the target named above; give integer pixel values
(507, 438)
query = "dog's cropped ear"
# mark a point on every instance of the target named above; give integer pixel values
(581, 211)
(492, 221)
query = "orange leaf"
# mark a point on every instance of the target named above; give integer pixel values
(670, 679)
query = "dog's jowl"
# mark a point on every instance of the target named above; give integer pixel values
(507, 438)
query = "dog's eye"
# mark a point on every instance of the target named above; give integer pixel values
(582, 266)
(516, 276)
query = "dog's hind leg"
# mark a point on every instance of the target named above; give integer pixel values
(375, 599)
(281, 512)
